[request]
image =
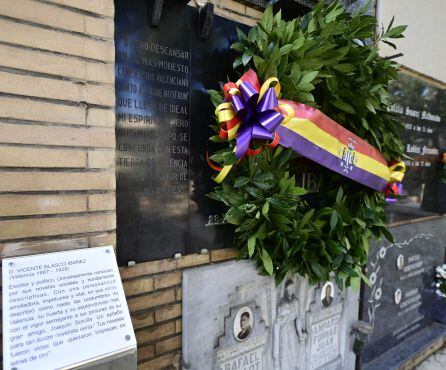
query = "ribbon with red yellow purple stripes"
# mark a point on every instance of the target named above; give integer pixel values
(252, 112)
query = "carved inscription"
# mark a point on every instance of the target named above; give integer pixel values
(153, 100)
(324, 336)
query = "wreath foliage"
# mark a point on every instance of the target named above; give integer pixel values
(327, 59)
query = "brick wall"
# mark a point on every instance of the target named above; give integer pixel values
(57, 141)
(57, 153)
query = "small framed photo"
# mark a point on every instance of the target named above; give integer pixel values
(400, 262)
(327, 294)
(397, 296)
(243, 324)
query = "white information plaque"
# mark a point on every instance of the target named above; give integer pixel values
(63, 309)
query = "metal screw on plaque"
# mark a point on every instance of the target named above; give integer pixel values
(12, 264)
(127, 337)
(107, 251)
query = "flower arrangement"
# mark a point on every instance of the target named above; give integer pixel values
(440, 280)
(324, 96)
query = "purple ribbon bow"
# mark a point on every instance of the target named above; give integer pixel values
(259, 120)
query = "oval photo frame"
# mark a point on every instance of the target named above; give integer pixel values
(243, 324)
(326, 299)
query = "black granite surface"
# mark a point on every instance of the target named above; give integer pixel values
(422, 246)
(162, 118)
(421, 107)
(409, 349)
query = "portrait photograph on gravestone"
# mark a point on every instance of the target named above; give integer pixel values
(223, 184)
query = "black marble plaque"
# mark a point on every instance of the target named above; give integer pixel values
(422, 109)
(399, 302)
(162, 118)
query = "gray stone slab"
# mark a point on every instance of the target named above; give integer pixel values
(235, 319)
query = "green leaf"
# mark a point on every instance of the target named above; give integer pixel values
(333, 247)
(307, 217)
(246, 57)
(334, 218)
(262, 232)
(216, 139)
(395, 32)
(298, 191)
(333, 14)
(344, 67)
(387, 234)
(238, 46)
(298, 43)
(251, 245)
(234, 216)
(267, 19)
(348, 270)
(360, 222)
(257, 61)
(241, 181)
(364, 278)
(267, 262)
(216, 97)
(237, 62)
(390, 24)
(285, 49)
(339, 195)
(391, 44)
(265, 209)
(318, 270)
(308, 77)
(312, 25)
(343, 106)
(240, 34)
(256, 193)
(264, 181)
(279, 220)
(337, 261)
(355, 284)
(347, 243)
(365, 242)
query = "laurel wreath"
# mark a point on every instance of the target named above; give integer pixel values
(327, 59)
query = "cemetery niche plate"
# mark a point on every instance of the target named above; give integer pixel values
(400, 302)
(246, 322)
(162, 117)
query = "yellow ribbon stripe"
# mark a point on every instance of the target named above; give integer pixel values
(397, 175)
(319, 137)
(232, 133)
(222, 174)
(224, 112)
(289, 110)
(267, 84)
